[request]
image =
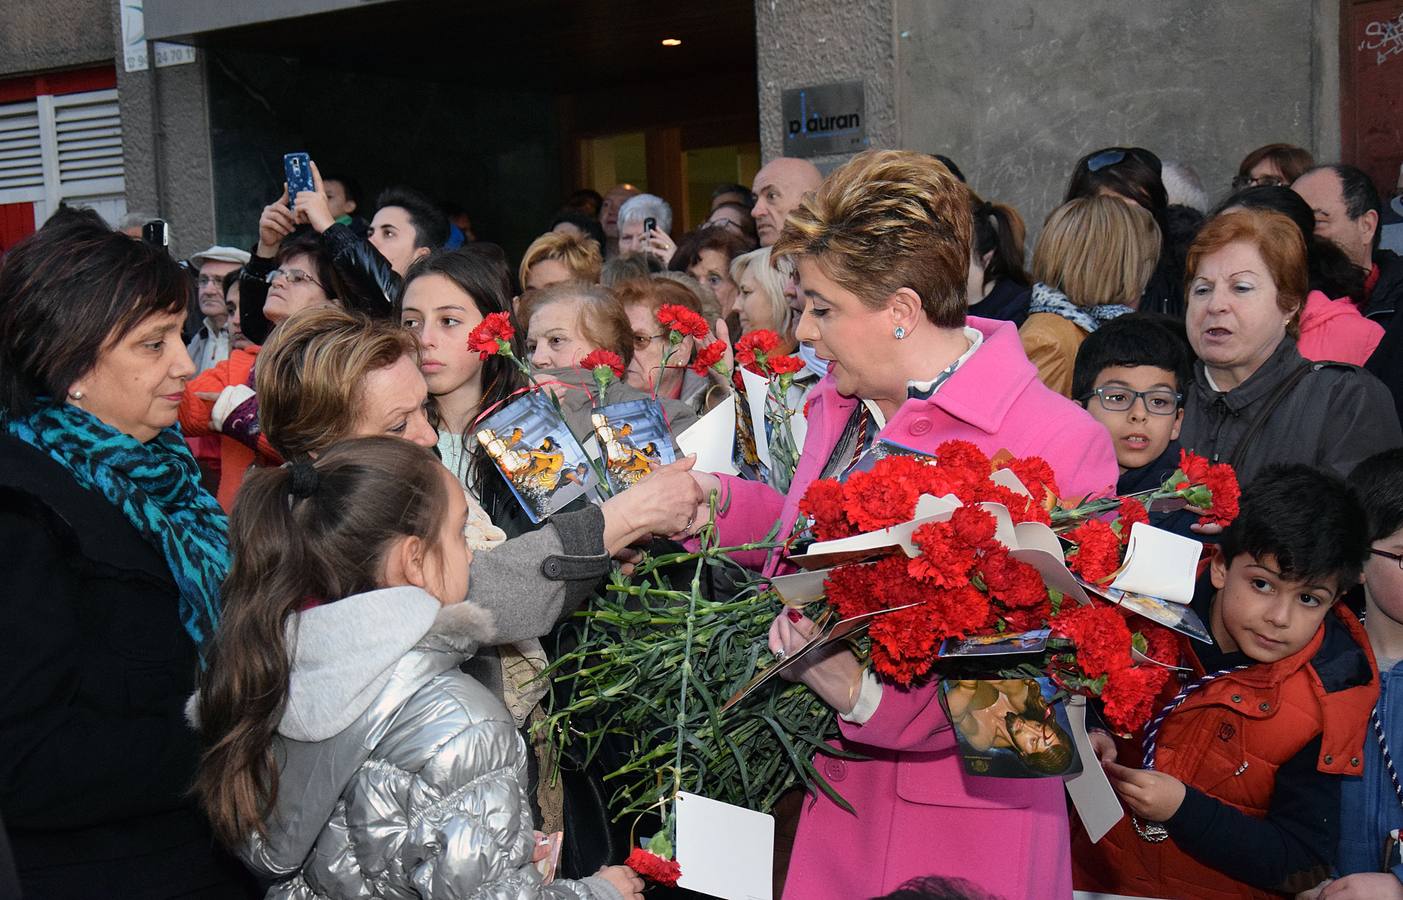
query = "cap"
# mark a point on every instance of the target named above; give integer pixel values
(220, 254)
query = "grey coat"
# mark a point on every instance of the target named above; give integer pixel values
(1334, 417)
(399, 776)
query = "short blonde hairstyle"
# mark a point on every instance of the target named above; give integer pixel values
(886, 220)
(310, 375)
(602, 319)
(771, 283)
(1097, 250)
(578, 254)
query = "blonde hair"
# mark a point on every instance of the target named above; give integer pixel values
(602, 319)
(311, 372)
(771, 283)
(886, 220)
(1097, 250)
(578, 254)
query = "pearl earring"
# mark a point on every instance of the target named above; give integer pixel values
(900, 332)
(75, 395)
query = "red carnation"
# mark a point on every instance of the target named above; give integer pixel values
(850, 589)
(1128, 698)
(784, 365)
(1097, 550)
(873, 502)
(1100, 635)
(1015, 584)
(682, 321)
(492, 335)
(974, 526)
(755, 346)
(1161, 644)
(823, 503)
(963, 455)
(709, 356)
(1131, 511)
(1193, 466)
(1037, 476)
(654, 867)
(603, 358)
(945, 560)
(1221, 481)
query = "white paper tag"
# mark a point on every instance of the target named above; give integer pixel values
(1090, 789)
(712, 438)
(1159, 564)
(725, 851)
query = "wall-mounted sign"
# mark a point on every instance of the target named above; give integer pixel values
(134, 55)
(824, 119)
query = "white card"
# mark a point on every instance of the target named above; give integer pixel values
(1159, 564)
(1090, 789)
(712, 438)
(756, 390)
(801, 587)
(724, 850)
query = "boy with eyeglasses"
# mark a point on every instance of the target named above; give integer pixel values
(1131, 374)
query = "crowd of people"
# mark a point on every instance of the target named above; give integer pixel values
(275, 621)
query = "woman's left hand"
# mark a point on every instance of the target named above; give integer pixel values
(660, 245)
(1151, 795)
(831, 672)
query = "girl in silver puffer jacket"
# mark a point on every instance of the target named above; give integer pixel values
(347, 754)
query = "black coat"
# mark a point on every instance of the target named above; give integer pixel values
(96, 758)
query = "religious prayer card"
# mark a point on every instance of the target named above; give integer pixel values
(543, 464)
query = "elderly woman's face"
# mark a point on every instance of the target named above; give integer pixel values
(713, 269)
(554, 339)
(852, 336)
(754, 305)
(294, 289)
(651, 346)
(392, 404)
(1233, 320)
(137, 382)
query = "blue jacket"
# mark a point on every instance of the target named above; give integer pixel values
(1369, 807)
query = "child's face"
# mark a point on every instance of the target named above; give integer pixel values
(1263, 613)
(1383, 578)
(446, 565)
(1141, 432)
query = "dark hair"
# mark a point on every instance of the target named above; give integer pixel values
(430, 224)
(1308, 520)
(999, 229)
(1330, 270)
(949, 163)
(486, 281)
(587, 200)
(69, 291)
(586, 223)
(628, 267)
(1357, 189)
(1378, 483)
(723, 189)
(349, 185)
(1130, 172)
(1137, 339)
(1291, 160)
(305, 242)
(714, 237)
(310, 530)
(747, 221)
(231, 279)
(68, 215)
(937, 887)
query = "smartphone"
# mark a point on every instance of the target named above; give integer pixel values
(156, 232)
(649, 224)
(297, 171)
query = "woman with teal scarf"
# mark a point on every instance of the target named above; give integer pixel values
(112, 556)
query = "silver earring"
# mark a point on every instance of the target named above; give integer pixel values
(900, 332)
(75, 395)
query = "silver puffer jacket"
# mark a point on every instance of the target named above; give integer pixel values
(399, 776)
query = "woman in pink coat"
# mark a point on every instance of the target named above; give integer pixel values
(882, 251)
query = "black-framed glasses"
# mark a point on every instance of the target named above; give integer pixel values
(1396, 557)
(1158, 401)
(1247, 181)
(291, 276)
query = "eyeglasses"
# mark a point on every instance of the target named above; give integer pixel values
(1247, 181)
(291, 276)
(1158, 402)
(1386, 555)
(205, 281)
(641, 341)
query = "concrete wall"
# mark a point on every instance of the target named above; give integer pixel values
(166, 145)
(42, 35)
(1016, 92)
(808, 42)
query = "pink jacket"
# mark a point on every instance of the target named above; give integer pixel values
(917, 812)
(1336, 330)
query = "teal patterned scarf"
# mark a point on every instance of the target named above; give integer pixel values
(157, 487)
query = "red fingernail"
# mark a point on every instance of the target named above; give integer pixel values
(794, 615)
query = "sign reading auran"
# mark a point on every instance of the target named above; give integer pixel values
(824, 119)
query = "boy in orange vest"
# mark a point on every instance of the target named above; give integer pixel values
(1239, 791)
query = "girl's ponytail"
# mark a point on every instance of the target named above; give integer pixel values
(300, 535)
(999, 230)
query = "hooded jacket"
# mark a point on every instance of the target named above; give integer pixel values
(399, 776)
(1336, 330)
(1334, 417)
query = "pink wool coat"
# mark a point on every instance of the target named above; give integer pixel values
(917, 812)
